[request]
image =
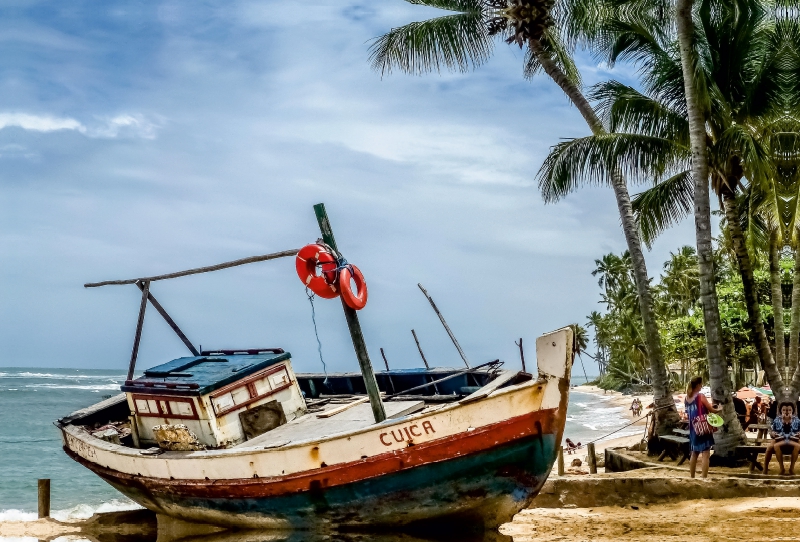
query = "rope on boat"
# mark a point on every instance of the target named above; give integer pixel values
(310, 295)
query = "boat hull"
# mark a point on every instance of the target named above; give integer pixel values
(476, 462)
(483, 489)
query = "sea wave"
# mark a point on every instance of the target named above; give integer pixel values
(92, 387)
(76, 513)
(65, 376)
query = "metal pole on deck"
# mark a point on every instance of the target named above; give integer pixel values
(355, 327)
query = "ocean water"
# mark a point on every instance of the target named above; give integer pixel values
(30, 445)
(592, 417)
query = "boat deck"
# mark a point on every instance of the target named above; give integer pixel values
(313, 427)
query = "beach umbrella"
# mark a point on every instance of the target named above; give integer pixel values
(747, 393)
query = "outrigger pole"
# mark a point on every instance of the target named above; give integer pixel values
(446, 327)
(143, 284)
(355, 327)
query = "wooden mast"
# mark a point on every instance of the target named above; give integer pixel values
(355, 327)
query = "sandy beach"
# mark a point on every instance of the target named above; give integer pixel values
(730, 519)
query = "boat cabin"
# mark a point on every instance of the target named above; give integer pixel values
(223, 398)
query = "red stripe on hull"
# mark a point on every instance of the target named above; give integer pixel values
(481, 439)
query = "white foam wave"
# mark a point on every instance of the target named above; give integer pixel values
(13, 514)
(85, 511)
(56, 376)
(76, 513)
(93, 387)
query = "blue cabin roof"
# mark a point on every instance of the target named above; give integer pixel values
(200, 375)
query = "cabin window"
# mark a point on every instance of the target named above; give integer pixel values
(145, 406)
(279, 380)
(223, 402)
(249, 390)
(180, 408)
(165, 407)
(240, 395)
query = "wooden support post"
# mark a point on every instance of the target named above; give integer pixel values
(560, 461)
(142, 307)
(134, 431)
(386, 362)
(592, 458)
(44, 498)
(446, 327)
(354, 326)
(170, 322)
(521, 354)
(425, 361)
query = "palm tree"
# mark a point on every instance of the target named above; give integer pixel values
(462, 41)
(739, 67)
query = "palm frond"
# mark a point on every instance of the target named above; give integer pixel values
(458, 42)
(592, 160)
(664, 205)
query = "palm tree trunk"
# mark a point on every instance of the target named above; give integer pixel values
(759, 336)
(667, 416)
(731, 434)
(777, 301)
(794, 326)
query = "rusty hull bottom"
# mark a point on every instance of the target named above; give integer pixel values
(480, 490)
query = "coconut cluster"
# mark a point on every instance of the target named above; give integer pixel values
(520, 20)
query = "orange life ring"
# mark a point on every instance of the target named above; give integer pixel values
(306, 264)
(355, 300)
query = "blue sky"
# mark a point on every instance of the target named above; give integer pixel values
(142, 137)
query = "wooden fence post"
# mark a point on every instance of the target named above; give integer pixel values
(44, 498)
(592, 458)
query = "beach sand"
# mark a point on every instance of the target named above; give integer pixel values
(731, 519)
(43, 529)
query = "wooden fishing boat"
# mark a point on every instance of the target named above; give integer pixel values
(237, 438)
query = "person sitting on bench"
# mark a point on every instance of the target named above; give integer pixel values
(785, 431)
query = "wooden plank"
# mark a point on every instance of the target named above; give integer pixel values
(337, 410)
(309, 427)
(501, 379)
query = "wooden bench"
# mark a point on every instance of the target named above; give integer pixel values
(675, 446)
(751, 454)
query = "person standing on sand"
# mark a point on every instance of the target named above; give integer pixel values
(697, 405)
(785, 431)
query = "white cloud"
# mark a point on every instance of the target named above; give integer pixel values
(122, 125)
(39, 123)
(130, 125)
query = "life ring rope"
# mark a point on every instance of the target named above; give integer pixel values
(328, 274)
